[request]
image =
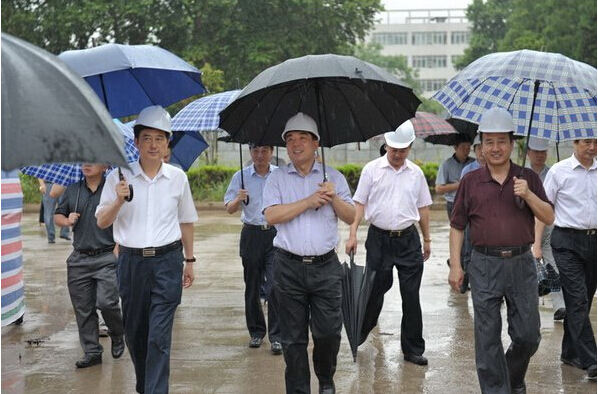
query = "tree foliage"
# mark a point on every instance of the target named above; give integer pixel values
(562, 26)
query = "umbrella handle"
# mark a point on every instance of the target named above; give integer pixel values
(122, 178)
(351, 256)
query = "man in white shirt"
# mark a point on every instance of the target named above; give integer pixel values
(393, 194)
(571, 186)
(152, 230)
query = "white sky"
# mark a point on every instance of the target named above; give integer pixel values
(424, 4)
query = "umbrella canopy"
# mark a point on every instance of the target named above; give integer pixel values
(128, 78)
(350, 100)
(203, 114)
(357, 282)
(426, 124)
(549, 95)
(49, 114)
(67, 173)
(186, 148)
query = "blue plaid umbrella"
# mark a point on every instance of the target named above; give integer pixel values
(549, 95)
(67, 173)
(203, 114)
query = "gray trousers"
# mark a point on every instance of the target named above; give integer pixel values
(514, 279)
(557, 297)
(91, 281)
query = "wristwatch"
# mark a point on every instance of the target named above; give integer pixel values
(191, 260)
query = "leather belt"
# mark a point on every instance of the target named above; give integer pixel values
(505, 252)
(590, 231)
(95, 252)
(152, 251)
(395, 233)
(262, 227)
(307, 259)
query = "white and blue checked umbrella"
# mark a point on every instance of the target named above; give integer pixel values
(67, 173)
(564, 107)
(203, 114)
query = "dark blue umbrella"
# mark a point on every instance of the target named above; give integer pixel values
(128, 78)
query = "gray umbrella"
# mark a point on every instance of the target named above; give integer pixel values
(350, 100)
(49, 113)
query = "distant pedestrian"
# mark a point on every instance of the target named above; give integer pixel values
(393, 195)
(49, 204)
(307, 273)
(571, 186)
(152, 231)
(91, 267)
(502, 267)
(255, 246)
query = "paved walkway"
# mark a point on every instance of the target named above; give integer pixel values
(209, 352)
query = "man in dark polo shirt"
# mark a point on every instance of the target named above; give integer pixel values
(502, 266)
(91, 267)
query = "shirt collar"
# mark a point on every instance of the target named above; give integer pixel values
(317, 167)
(253, 172)
(575, 163)
(165, 170)
(514, 170)
(383, 163)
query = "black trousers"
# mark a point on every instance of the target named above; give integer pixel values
(575, 256)
(257, 254)
(383, 253)
(308, 295)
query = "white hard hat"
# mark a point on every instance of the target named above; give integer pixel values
(536, 143)
(496, 120)
(155, 117)
(402, 137)
(301, 122)
(476, 140)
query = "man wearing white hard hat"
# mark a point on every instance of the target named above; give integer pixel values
(393, 195)
(502, 266)
(571, 185)
(307, 273)
(537, 152)
(154, 231)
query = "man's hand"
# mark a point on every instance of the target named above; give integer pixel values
(188, 275)
(456, 275)
(520, 188)
(317, 199)
(42, 188)
(242, 195)
(427, 250)
(351, 245)
(73, 217)
(327, 188)
(122, 190)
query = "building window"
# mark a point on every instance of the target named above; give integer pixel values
(432, 85)
(390, 38)
(459, 37)
(428, 38)
(428, 61)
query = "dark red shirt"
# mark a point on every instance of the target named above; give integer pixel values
(491, 211)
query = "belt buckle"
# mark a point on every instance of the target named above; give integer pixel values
(149, 252)
(506, 253)
(307, 259)
(395, 233)
(265, 227)
(591, 232)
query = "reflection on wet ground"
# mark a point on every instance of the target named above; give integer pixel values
(209, 350)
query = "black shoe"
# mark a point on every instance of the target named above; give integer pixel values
(89, 361)
(276, 348)
(559, 314)
(327, 389)
(574, 362)
(51, 241)
(118, 346)
(592, 372)
(519, 390)
(255, 342)
(415, 359)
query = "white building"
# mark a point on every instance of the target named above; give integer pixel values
(432, 40)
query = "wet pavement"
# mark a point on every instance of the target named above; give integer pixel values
(209, 347)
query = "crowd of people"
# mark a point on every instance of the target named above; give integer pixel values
(133, 246)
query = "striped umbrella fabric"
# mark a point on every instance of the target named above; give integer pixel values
(565, 105)
(427, 124)
(203, 114)
(67, 173)
(13, 295)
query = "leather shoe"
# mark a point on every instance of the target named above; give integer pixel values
(118, 346)
(415, 359)
(574, 362)
(276, 348)
(519, 390)
(255, 342)
(592, 372)
(89, 360)
(327, 389)
(559, 314)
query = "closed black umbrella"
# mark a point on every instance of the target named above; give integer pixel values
(350, 100)
(357, 284)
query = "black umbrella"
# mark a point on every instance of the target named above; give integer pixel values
(357, 282)
(467, 129)
(49, 114)
(350, 100)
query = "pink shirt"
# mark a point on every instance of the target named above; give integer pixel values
(392, 197)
